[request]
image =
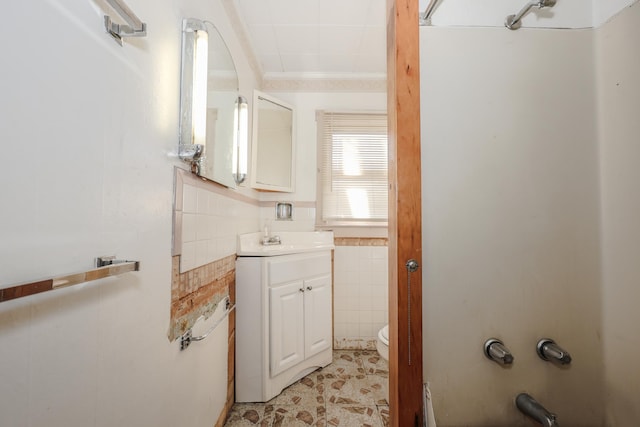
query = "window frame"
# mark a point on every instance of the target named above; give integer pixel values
(348, 227)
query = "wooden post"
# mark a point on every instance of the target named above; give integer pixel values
(405, 222)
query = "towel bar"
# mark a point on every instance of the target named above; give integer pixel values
(187, 338)
(26, 289)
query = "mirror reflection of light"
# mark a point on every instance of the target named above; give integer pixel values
(358, 202)
(351, 160)
(241, 140)
(199, 98)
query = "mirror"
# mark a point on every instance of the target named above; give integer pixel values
(272, 151)
(209, 125)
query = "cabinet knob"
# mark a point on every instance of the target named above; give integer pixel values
(309, 288)
(301, 289)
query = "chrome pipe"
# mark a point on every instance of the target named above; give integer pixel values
(513, 22)
(548, 350)
(495, 350)
(531, 408)
(425, 17)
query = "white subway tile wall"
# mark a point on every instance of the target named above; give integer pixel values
(210, 225)
(360, 295)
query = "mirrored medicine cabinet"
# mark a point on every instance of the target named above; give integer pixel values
(272, 148)
(213, 116)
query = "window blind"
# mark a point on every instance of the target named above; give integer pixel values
(352, 168)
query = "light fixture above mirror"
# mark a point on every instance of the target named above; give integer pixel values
(213, 117)
(193, 103)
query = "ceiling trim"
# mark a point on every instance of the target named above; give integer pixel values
(326, 84)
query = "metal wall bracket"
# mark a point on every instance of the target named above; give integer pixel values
(135, 27)
(190, 152)
(185, 340)
(425, 17)
(412, 266)
(104, 261)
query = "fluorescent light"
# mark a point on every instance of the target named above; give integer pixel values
(199, 98)
(241, 140)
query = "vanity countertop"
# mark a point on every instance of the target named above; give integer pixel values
(292, 242)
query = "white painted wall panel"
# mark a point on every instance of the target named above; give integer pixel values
(88, 127)
(619, 104)
(511, 242)
(603, 10)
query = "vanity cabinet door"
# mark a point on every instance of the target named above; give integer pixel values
(286, 326)
(317, 315)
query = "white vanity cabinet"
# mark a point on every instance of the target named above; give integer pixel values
(283, 321)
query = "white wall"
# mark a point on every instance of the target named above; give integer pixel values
(88, 128)
(604, 10)
(510, 211)
(619, 104)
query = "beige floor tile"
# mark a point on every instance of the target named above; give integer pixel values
(384, 415)
(352, 391)
(309, 391)
(353, 416)
(345, 362)
(294, 416)
(349, 390)
(248, 414)
(379, 386)
(374, 364)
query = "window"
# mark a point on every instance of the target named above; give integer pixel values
(352, 169)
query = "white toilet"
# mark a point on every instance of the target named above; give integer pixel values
(382, 344)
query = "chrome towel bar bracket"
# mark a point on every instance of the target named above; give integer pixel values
(135, 27)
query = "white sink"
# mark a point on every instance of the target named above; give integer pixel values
(292, 242)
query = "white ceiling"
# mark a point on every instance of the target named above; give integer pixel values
(316, 38)
(303, 40)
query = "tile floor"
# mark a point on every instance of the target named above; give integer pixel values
(351, 392)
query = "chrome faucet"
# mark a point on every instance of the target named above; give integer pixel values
(495, 350)
(548, 350)
(271, 240)
(531, 408)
